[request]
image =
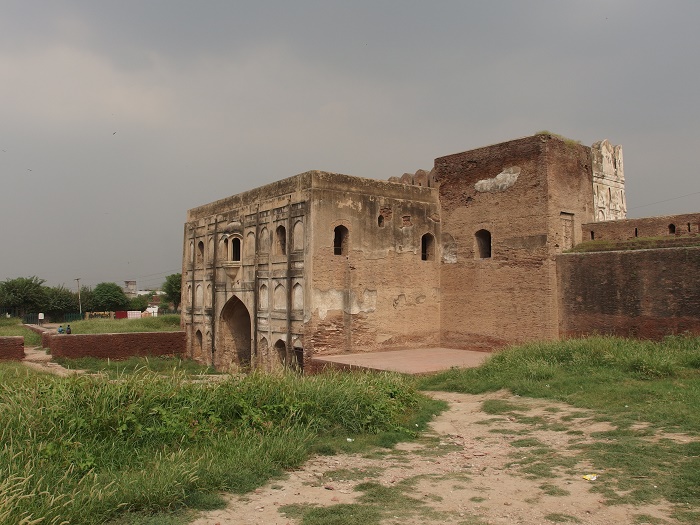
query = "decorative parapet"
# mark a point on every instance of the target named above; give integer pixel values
(609, 202)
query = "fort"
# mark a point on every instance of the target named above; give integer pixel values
(519, 241)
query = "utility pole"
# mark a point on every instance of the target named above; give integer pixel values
(80, 304)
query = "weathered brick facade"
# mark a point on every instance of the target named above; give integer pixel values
(467, 255)
(645, 293)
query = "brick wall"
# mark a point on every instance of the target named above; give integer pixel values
(510, 296)
(647, 294)
(671, 225)
(12, 348)
(116, 346)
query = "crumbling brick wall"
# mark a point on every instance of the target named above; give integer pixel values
(117, 346)
(12, 348)
(685, 225)
(519, 192)
(647, 294)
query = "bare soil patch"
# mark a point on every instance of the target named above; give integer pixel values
(471, 468)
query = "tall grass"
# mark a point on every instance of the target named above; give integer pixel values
(117, 368)
(658, 382)
(162, 323)
(83, 449)
(13, 327)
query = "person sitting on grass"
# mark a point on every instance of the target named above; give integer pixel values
(60, 329)
(68, 330)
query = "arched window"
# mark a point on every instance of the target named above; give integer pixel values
(483, 244)
(281, 241)
(199, 296)
(281, 351)
(200, 252)
(226, 252)
(672, 229)
(636, 232)
(427, 247)
(198, 344)
(236, 250)
(380, 221)
(340, 240)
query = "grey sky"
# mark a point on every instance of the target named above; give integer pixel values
(116, 117)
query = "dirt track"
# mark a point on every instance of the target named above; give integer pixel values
(465, 471)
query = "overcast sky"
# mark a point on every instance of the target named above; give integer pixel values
(117, 117)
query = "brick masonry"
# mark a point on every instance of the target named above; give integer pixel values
(643, 293)
(115, 346)
(12, 348)
(677, 226)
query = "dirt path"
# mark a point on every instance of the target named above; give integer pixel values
(37, 359)
(468, 470)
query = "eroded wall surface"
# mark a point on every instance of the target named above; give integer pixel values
(644, 293)
(266, 281)
(526, 197)
(380, 290)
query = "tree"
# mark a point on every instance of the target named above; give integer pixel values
(26, 294)
(108, 297)
(59, 301)
(140, 302)
(173, 289)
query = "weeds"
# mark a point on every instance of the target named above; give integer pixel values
(85, 450)
(640, 388)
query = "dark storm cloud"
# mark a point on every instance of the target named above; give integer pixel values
(119, 116)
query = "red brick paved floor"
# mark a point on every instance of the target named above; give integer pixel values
(415, 361)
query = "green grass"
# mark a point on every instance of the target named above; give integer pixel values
(89, 450)
(115, 369)
(14, 327)
(641, 388)
(162, 323)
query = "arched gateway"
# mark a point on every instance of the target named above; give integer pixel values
(234, 340)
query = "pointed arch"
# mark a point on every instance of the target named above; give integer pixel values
(298, 236)
(235, 333)
(263, 299)
(249, 250)
(297, 297)
(279, 298)
(264, 240)
(281, 351)
(281, 240)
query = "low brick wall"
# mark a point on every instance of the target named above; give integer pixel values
(645, 294)
(115, 346)
(12, 348)
(682, 225)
